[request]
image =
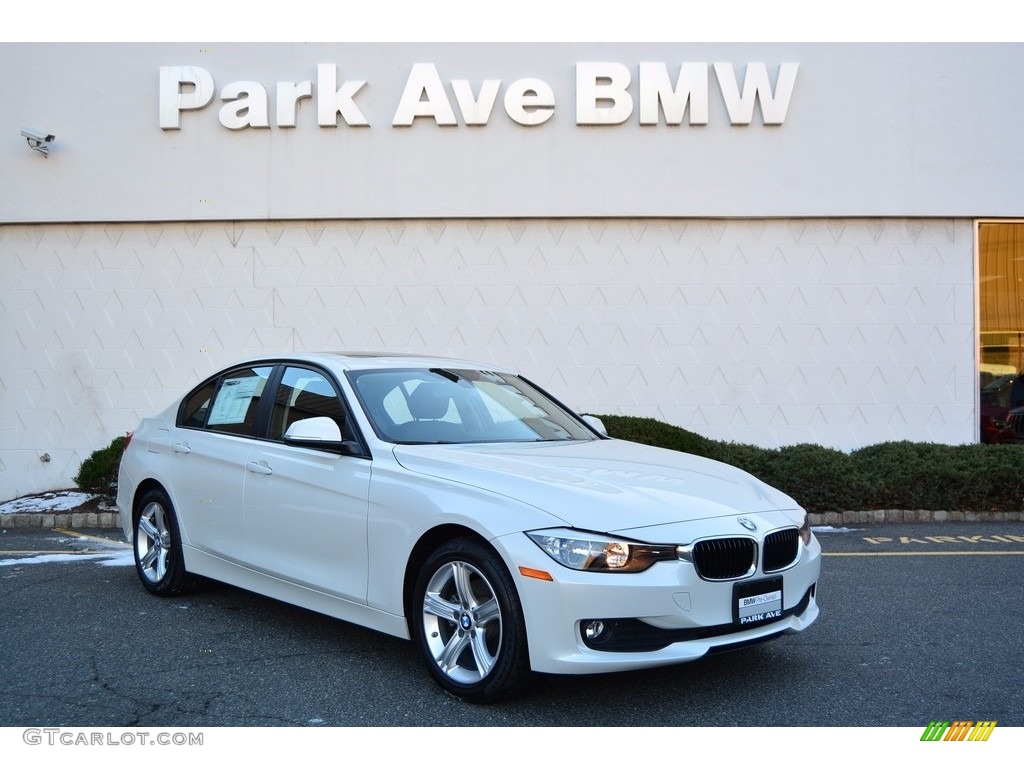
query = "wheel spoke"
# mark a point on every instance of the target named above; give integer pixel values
(435, 605)
(146, 526)
(487, 612)
(463, 587)
(148, 558)
(161, 563)
(449, 658)
(481, 653)
(160, 518)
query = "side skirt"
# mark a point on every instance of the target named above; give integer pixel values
(205, 564)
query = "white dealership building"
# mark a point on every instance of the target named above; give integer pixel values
(761, 242)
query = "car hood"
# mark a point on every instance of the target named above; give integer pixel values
(603, 485)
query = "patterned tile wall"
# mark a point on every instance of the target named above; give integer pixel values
(844, 332)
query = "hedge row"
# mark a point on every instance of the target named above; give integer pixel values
(901, 475)
(898, 475)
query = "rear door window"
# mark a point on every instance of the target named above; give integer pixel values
(228, 404)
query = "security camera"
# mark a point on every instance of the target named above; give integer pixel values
(38, 140)
(32, 133)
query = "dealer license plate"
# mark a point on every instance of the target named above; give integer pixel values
(757, 602)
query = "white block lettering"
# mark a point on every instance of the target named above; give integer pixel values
(288, 97)
(530, 101)
(656, 89)
(604, 96)
(476, 110)
(173, 99)
(246, 107)
(330, 100)
(756, 87)
(602, 82)
(424, 81)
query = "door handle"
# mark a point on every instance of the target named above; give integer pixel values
(181, 448)
(259, 469)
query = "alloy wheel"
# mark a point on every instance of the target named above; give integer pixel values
(462, 622)
(153, 542)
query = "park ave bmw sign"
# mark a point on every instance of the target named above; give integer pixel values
(605, 95)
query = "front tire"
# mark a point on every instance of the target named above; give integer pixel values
(157, 544)
(468, 623)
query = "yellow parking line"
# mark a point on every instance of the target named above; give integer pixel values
(912, 554)
(78, 535)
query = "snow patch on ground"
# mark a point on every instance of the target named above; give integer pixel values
(831, 529)
(112, 558)
(47, 503)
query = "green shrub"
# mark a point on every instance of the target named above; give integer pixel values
(658, 433)
(907, 475)
(998, 477)
(897, 475)
(749, 458)
(98, 473)
(821, 479)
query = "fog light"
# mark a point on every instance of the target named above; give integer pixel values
(593, 629)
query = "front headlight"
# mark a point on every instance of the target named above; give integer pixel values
(584, 551)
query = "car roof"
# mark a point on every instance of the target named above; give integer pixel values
(359, 360)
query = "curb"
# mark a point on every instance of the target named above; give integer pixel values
(870, 517)
(881, 516)
(61, 520)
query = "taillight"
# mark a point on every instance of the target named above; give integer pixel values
(127, 439)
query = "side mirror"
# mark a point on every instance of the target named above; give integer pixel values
(320, 433)
(595, 423)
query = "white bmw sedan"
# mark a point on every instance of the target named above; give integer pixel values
(461, 506)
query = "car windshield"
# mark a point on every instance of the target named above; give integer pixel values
(447, 405)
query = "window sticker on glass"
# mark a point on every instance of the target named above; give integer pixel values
(233, 400)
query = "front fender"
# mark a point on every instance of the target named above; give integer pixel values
(402, 512)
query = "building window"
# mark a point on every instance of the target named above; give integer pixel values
(1001, 330)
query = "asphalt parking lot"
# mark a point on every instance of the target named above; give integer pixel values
(919, 622)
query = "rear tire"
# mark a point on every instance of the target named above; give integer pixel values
(468, 623)
(157, 543)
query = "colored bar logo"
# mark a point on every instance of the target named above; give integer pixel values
(959, 730)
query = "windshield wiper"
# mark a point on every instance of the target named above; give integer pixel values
(450, 375)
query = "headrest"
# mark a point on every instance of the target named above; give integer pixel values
(429, 401)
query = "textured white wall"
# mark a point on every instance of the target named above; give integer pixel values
(887, 130)
(844, 332)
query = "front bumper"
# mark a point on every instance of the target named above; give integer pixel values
(676, 615)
